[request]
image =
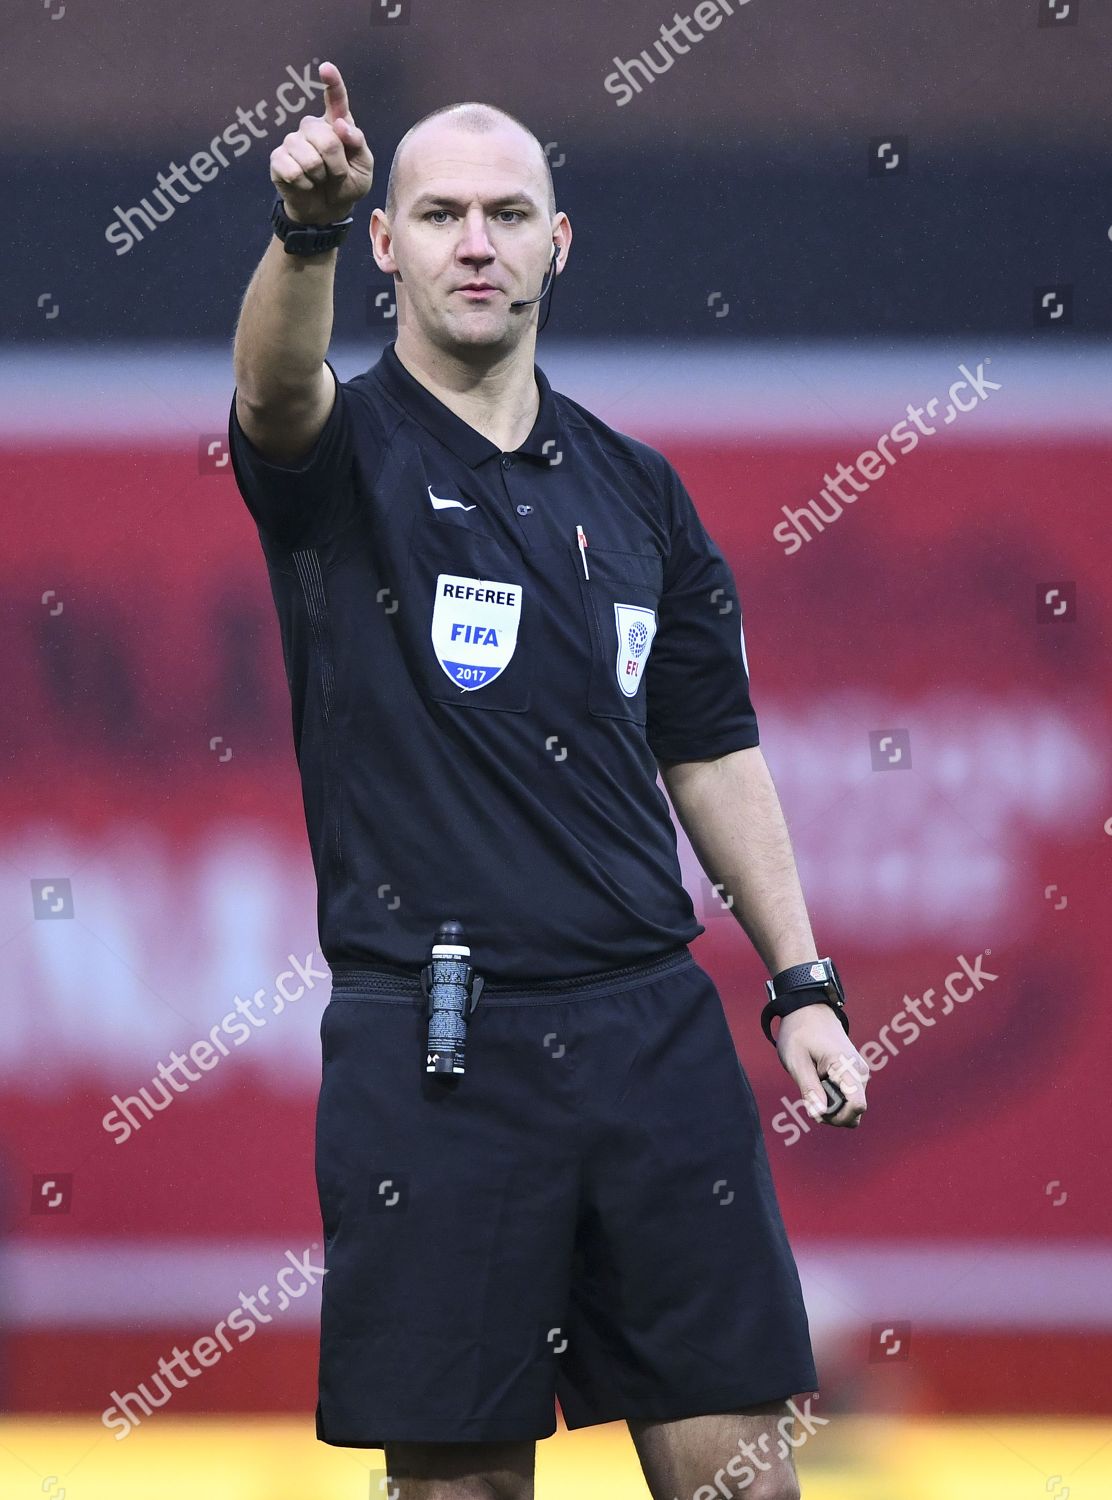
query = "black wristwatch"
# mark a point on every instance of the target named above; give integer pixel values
(307, 239)
(816, 982)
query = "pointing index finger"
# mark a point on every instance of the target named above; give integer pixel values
(335, 98)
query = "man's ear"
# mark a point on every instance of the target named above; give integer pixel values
(378, 222)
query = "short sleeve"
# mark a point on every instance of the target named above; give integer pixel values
(307, 503)
(697, 678)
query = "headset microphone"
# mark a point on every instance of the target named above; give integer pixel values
(549, 283)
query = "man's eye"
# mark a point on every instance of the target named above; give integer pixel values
(515, 213)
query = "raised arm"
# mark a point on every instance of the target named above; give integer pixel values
(284, 390)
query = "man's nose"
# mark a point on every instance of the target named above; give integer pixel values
(474, 240)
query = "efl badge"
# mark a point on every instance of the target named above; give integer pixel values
(474, 628)
(636, 627)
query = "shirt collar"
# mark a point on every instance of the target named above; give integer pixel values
(465, 441)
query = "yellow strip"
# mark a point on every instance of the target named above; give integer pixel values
(248, 1458)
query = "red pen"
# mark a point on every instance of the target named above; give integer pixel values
(581, 536)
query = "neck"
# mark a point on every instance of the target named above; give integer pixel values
(494, 391)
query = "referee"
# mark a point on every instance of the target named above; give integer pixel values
(500, 619)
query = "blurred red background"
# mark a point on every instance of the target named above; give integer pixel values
(142, 649)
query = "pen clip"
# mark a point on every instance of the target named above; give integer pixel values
(581, 538)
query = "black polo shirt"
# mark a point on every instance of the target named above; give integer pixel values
(476, 722)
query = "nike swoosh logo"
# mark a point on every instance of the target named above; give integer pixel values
(439, 504)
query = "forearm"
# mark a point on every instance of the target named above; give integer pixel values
(731, 813)
(284, 327)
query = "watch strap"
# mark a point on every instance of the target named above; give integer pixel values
(307, 239)
(783, 1005)
(814, 982)
(799, 976)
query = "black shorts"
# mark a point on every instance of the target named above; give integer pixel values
(586, 1213)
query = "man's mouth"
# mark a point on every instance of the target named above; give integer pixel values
(477, 291)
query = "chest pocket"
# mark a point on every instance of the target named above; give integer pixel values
(621, 599)
(469, 617)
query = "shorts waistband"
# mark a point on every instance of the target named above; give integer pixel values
(365, 982)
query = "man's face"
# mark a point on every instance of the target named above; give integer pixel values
(471, 208)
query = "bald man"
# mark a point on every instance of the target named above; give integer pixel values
(600, 1173)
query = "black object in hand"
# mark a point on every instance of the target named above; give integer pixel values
(834, 1095)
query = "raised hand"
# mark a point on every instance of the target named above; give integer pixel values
(323, 167)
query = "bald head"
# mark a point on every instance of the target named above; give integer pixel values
(476, 119)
